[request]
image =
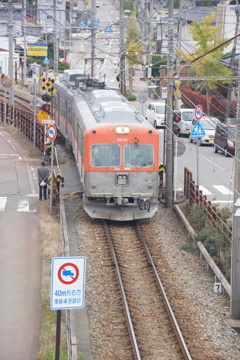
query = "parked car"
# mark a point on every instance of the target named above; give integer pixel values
(183, 118)
(98, 4)
(208, 126)
(156, 114)
(224, 139)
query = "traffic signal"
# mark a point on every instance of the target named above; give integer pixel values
(46, 108)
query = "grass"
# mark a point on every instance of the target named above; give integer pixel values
(51, 247)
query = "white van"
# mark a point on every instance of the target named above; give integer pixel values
(156, 114)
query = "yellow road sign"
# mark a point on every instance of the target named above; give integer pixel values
(43, 115)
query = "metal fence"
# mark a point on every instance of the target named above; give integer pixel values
(19, 119)
(195, 196)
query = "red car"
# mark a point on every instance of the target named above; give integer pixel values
(224, 139)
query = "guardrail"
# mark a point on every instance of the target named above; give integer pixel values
(194, 195)
(19, 119)
(219, 275)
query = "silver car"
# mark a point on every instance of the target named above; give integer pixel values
(183, 118)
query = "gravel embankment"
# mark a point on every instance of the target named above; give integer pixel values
(189, 272)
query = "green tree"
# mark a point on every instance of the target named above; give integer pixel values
(134, 47)
(205, 36)
(206, 3)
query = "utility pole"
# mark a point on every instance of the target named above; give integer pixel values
(230, 86)
(235, 265)
(122, 51)
(93, 34)
(10, 51)
(25, 42)
(169, 127)
(55, 47)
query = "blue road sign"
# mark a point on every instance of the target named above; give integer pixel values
(108, 30)
(89, 21)
(97, 22)
(197, 131)
(82, 23)
(198, 112)
(46, 60)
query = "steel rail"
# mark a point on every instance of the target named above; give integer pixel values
(173, 320)
(131, 331)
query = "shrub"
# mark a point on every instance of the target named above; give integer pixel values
(130, 97)
(197, 217)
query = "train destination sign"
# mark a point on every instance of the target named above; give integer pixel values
(68, 282)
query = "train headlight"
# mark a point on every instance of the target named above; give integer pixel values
(122, 130)
(122, 179)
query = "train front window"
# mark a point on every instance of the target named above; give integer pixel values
(105, 155)
(138, 156)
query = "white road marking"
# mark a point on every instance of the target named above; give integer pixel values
(23, 205)
(204, 190)
(222, 189)
(3, 201)
(222, 201)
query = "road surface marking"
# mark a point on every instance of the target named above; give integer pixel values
(204, 190)
(3, 201)
(222, 189)
(23, 205)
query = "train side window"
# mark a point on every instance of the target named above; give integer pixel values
(138, 156)
(105, 155)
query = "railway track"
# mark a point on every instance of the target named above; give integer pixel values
(151, 323)
(147, 318)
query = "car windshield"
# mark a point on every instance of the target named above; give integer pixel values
(187, 116)
(207, 125)
(232, 132)
(140, 155)
(160, 109)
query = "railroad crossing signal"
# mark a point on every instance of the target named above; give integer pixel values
(42, 115)
(46, 108)
(48, 84)
(46, 97)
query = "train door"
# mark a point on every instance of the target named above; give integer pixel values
(69, 126)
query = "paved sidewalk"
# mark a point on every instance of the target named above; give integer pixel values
(140, 87)
(20, 251)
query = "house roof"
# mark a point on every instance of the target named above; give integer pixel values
(197, 13)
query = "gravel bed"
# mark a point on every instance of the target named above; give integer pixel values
(211, 309)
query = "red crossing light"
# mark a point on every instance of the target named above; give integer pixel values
(46, 108)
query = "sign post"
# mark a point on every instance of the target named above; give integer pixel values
(51, 134)
(67, 288)
(197, 133)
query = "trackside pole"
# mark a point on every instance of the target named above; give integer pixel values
(58, 335)
(51, 187)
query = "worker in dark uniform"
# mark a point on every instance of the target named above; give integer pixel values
(42, 180)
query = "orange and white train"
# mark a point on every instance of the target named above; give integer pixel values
(116, 149)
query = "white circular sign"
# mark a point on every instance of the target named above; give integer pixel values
(198, 112)
(51, 132)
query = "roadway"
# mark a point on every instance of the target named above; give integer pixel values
(20, 267)
(215, 171)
